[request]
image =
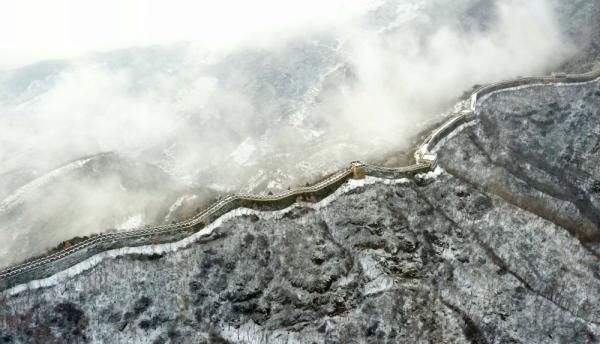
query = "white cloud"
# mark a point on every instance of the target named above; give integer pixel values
(324, 83)
(32, 30)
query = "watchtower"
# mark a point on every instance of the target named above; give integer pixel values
(467, 114)
(429, 159)
(358, 170)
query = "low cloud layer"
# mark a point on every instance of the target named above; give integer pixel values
(34, 30)
(294, 97)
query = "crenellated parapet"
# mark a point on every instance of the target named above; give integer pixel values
(358, 170)
(425, 160)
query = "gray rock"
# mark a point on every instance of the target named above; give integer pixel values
(501, 247)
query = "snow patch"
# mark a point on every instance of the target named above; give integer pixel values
(28, 190)
(243, 152)
(132, 222)
(404, 13)
(431, 174)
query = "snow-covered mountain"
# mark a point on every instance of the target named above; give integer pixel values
(184, 124)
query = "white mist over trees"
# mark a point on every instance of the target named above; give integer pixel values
(244, 96)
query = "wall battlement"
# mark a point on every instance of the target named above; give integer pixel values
(48, 265)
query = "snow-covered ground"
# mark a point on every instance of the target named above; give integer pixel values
(182, 120)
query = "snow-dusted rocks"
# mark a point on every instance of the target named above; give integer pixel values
(499, 244)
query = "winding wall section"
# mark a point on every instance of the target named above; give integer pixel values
(48, 265)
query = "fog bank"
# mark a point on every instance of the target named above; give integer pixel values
(274, 99)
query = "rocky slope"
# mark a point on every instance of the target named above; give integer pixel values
(579, 19)
(255, 119)
(499, 246)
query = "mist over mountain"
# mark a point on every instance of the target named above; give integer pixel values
(147, 135)
(499, 244)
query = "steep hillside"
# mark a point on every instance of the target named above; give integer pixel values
(499, 245)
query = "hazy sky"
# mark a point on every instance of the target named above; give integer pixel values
(32, 30)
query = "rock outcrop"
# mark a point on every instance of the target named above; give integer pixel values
(500, 245)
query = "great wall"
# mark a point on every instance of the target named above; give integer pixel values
(90, 250)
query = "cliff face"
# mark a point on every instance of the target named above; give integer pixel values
(501, 244)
